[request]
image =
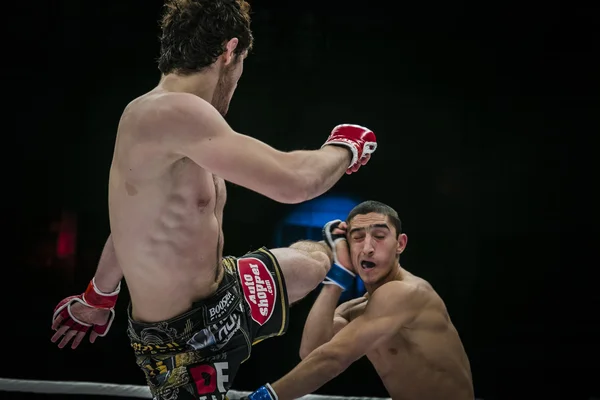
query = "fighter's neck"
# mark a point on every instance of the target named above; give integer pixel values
(201, 84)
(396, 274)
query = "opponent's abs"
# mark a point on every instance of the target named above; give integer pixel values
(168, 237)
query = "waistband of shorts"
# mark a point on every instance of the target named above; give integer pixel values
(198, 313)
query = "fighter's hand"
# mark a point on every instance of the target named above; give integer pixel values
(341, 272)
(74, 316)
(342, 249)
(359, 140)
(75, 327)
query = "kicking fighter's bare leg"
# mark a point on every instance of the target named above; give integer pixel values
(304, 265)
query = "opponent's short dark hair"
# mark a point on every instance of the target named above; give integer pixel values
(195, 33)
(372, 206)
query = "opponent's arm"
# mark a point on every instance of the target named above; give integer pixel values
(323, 323)
(324, 320)
(320, 325)
(200, 133)
(391, 307)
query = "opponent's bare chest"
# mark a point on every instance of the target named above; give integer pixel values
(391, 354)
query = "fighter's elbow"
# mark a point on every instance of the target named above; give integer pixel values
(304, 352)
(304, 178)
(307, 347)
(289, 198)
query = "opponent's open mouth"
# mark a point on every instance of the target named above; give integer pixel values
(367, 264)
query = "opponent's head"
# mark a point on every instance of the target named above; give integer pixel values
(201, 35)
(376, 241)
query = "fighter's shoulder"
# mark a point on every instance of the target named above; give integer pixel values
(175, 111)
(391, 294)
(394, 290)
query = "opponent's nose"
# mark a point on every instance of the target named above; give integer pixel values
(368, 248)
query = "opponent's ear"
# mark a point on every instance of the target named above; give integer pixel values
(402, 240)
(229, 54)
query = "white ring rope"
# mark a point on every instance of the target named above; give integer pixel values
(113, 389)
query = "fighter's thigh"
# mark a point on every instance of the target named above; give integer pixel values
(302, 271)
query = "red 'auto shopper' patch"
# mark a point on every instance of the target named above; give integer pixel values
(259, 288)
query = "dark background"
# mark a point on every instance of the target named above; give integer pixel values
(486, 117)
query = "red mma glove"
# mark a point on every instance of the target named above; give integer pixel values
(359, 140)
(74, 315)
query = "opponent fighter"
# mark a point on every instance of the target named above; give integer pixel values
(401, 324)
(194, 314)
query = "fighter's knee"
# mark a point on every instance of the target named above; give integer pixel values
(314, 272)
(320, 267)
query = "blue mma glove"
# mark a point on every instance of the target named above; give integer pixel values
(338, 274)
(265, 392)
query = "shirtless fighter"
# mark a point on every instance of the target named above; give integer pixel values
(195, 314)
(401, 324)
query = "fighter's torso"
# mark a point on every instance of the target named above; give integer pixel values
(425, 360)
(166, 218)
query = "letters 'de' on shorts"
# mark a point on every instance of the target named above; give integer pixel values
(196, 355)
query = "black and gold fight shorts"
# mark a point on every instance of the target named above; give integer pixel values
(197, 354)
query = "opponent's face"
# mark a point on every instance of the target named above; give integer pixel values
(228, 78)
(374, 247)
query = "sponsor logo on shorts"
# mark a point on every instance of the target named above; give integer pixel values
(216, 335)
(259, 288)
(223, 306)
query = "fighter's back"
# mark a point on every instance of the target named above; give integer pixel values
(426, 360)
(165, 215)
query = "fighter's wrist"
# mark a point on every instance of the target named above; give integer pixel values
(340, 276)
(342, 150)
(333, 288)
(98, 299)
(104, 288)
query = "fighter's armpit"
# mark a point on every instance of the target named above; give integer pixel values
(390, 308)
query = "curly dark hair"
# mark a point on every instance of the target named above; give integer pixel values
(195, 33)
